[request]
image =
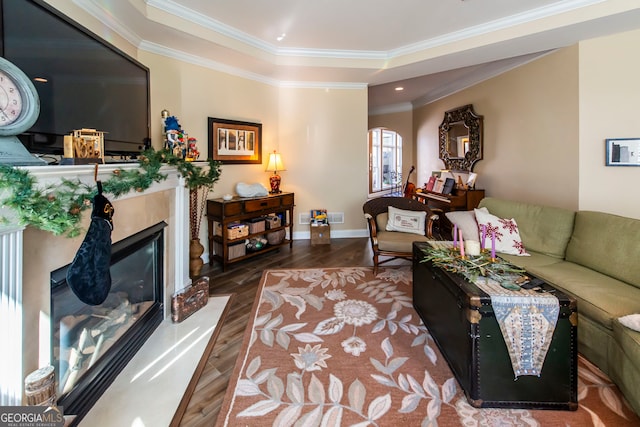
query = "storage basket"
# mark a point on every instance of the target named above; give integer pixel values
(256, 225)
(320, 234)
(236, 250)
(276, 237)
(237, 230)
(273, 221)
(40, 387)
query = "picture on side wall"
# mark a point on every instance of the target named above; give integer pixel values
(623, 152)
(235, 142)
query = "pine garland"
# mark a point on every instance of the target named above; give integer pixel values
(58, 208)
(472, 267)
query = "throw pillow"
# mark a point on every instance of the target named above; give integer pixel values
(466, 221)
(508, 239)
(406, 221)
(631, 321)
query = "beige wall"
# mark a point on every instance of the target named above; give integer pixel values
(401, 122)
(609, 92)
(530, 131)
(323, 139)
(545, 126)
(321, 134)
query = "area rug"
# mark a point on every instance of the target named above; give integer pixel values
(344, 347)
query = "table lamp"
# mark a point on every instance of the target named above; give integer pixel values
(275, 165)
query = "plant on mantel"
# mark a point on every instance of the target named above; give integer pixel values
(58, 208)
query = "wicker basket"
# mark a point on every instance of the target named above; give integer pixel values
(276, 237)
(40, 387)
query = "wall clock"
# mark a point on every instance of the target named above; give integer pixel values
(19, 110)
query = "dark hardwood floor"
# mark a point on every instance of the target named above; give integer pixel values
(241, 280)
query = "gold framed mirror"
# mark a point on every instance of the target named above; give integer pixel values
(460, 141)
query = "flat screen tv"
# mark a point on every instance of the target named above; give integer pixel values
(82, 81)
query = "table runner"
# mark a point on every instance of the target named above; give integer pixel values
(527, 320)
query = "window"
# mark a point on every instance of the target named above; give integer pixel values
(385, 160)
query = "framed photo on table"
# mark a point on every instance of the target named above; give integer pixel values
(623, 152)
(235, 142)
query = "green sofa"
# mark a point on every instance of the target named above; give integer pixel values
(595, 257)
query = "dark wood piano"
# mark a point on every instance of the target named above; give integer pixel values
(459, 200)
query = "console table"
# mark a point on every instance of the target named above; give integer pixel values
(461, 320)
(225, 212)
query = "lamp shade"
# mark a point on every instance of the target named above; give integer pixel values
(275, 163)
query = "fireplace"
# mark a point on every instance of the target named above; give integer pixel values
(90, 345)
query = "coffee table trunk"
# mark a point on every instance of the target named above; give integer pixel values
(461, 321)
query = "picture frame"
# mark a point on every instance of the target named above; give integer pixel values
(235, 142)
(623, 152)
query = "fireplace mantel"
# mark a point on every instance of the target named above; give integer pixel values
(27, 256)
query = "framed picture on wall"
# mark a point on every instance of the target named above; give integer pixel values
(235, 142)
(623, 152)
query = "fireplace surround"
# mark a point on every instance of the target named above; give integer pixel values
(29, 255)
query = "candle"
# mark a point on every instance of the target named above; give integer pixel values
(472, 247)
(461, 244)
(493, 244)
(455, 235)
(482, 238)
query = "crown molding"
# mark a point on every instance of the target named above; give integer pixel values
(492, 26)
(217, 66)
(106, 18)
(173, 8)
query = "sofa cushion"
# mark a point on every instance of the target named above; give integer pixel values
(466, 221)
(600, 297)
(543, 229)
(607, 243)
(398, 242)
(528, 262)
(406, 221)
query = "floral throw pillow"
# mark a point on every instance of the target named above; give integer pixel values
(508, 239)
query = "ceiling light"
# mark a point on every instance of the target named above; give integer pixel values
(399, 88)
(281, 37)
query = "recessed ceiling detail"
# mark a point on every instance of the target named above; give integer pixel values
(358, 43)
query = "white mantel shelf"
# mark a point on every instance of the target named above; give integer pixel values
(12, 366)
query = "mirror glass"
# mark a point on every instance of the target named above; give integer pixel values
(460, 142)
(457, 140)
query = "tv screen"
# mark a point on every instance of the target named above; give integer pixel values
(82, 81)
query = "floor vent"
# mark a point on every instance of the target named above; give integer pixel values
(334, 218)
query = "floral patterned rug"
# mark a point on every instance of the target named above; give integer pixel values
(344, 347)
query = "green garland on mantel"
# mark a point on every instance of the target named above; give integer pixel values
(58, 208)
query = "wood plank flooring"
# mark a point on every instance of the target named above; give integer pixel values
(241, 279)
